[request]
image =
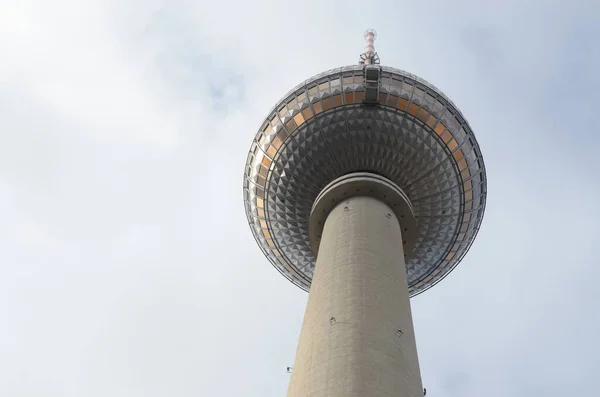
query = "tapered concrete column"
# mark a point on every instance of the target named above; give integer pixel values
(357, 338)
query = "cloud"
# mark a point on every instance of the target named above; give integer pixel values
(127, 265)
(78, 70)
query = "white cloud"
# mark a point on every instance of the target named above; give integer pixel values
(68, 60)
(33, 236)
(127, 266)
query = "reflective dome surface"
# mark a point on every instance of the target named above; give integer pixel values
(413, 136)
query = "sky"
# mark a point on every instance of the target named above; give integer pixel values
(127, 267)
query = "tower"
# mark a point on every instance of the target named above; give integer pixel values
(365, 186)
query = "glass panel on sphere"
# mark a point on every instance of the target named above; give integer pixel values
(337, 100)
(307, 113)
(299, 119)
(349, 98)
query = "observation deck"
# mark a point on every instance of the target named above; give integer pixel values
(375, 119)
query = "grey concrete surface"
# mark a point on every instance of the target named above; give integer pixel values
(357, 338)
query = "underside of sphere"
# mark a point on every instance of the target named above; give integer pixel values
(371, 119)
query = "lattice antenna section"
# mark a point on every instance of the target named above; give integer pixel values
(369, 57)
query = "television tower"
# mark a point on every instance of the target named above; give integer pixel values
(365, 186)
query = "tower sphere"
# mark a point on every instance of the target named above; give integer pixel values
(366, 119)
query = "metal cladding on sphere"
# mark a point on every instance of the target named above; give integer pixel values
(366, 118)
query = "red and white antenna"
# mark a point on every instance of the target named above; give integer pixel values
(369, 57)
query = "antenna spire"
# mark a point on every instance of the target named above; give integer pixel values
(369, 57)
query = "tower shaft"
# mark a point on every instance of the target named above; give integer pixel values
(357, 338)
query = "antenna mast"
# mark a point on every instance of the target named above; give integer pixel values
(369, 57)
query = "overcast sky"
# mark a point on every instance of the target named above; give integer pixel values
(127, 267)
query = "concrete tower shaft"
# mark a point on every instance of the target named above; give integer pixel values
(357, 337)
